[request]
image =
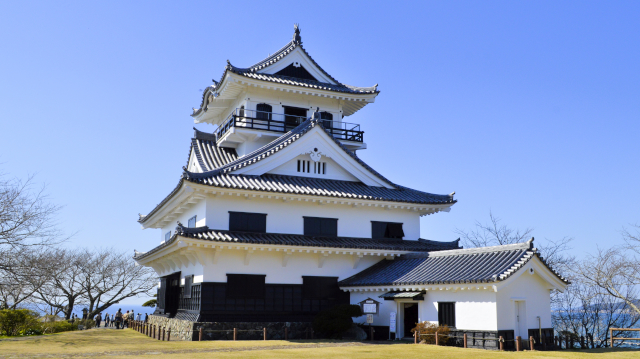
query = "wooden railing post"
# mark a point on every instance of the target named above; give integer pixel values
(264, 331)
(164, 331)
(169, 335)
(518, 343)
(235, 334)
(531, 343)
(437, 341)
(464, 340)
(501, 341)
(611, 336)
(415, 337)
(200, 334)
(286, 333)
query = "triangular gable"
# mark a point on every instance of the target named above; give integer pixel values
(314, 145)
(298, 58)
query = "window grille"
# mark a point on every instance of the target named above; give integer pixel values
(305, 166)
(192, 222)
(386, 230)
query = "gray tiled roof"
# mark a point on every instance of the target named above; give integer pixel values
(477, 265)
(223, 178)
(251, 72)
(209, 155)
(229, 237)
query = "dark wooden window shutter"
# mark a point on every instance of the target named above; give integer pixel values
(246, 286)
(248, 222)
(321, 227)
(447, 314)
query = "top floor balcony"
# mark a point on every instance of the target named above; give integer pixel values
(243, 124)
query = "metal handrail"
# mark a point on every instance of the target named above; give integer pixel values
(279, 122)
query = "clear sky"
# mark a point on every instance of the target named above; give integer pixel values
(530, 109)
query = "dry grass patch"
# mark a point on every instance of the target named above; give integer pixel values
(131, 344)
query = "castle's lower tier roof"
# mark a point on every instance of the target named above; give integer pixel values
(281, 239)
(318, 187)
(477, 265)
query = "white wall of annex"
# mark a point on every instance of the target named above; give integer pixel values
(287, 217)
(531, 289)
(475, 309)
(270, 263)
(198, 209)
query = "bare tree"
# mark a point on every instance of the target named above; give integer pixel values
(64, 289)
(30, 270)
(614, 272)
(111, 277)
(581, 310)
(493, 233)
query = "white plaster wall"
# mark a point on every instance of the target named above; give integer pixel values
(232, 261)
(475, 309)
(286, 217)
(534, 291)
(333, 170)
(197, 209)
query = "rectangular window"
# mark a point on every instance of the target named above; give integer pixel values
(447, 314)
(245, 286)
(248, 222)
(188, 281)
(324, 227)
(386, 230)
(320, 287)
(167, 236)
(192, 222)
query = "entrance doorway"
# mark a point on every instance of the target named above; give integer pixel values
(410, 317)
(521, 319)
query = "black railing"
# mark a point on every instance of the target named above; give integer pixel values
(279, 122)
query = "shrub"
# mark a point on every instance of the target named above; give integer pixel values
(430, 329)
(332, 323)
(57, 327)
(19, 322)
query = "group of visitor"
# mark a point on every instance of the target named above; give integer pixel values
(119, 320)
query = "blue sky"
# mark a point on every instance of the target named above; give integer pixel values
(530, 109)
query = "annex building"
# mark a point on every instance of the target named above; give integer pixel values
(278, 219)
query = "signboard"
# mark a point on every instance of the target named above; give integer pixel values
(369, 318)
(392, 322)
(369, 306)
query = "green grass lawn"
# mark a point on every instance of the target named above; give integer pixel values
(129, 344)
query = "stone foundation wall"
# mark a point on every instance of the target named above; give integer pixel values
(188, 330)
(180, 329)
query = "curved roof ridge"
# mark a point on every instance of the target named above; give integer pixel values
(528, 245)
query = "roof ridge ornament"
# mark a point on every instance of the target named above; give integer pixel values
(296, 34)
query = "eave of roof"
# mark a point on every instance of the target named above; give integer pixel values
(460, 266)
(298, 240)
(251, 72)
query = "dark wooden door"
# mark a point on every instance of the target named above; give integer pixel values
(410, 317)
(293, 116)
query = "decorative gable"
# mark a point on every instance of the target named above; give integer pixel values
(297, 61)
(314, 146)
(296, 70)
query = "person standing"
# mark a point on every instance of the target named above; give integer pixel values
(119, 319)
(98, 319)
(146, 317)
(106, 320)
